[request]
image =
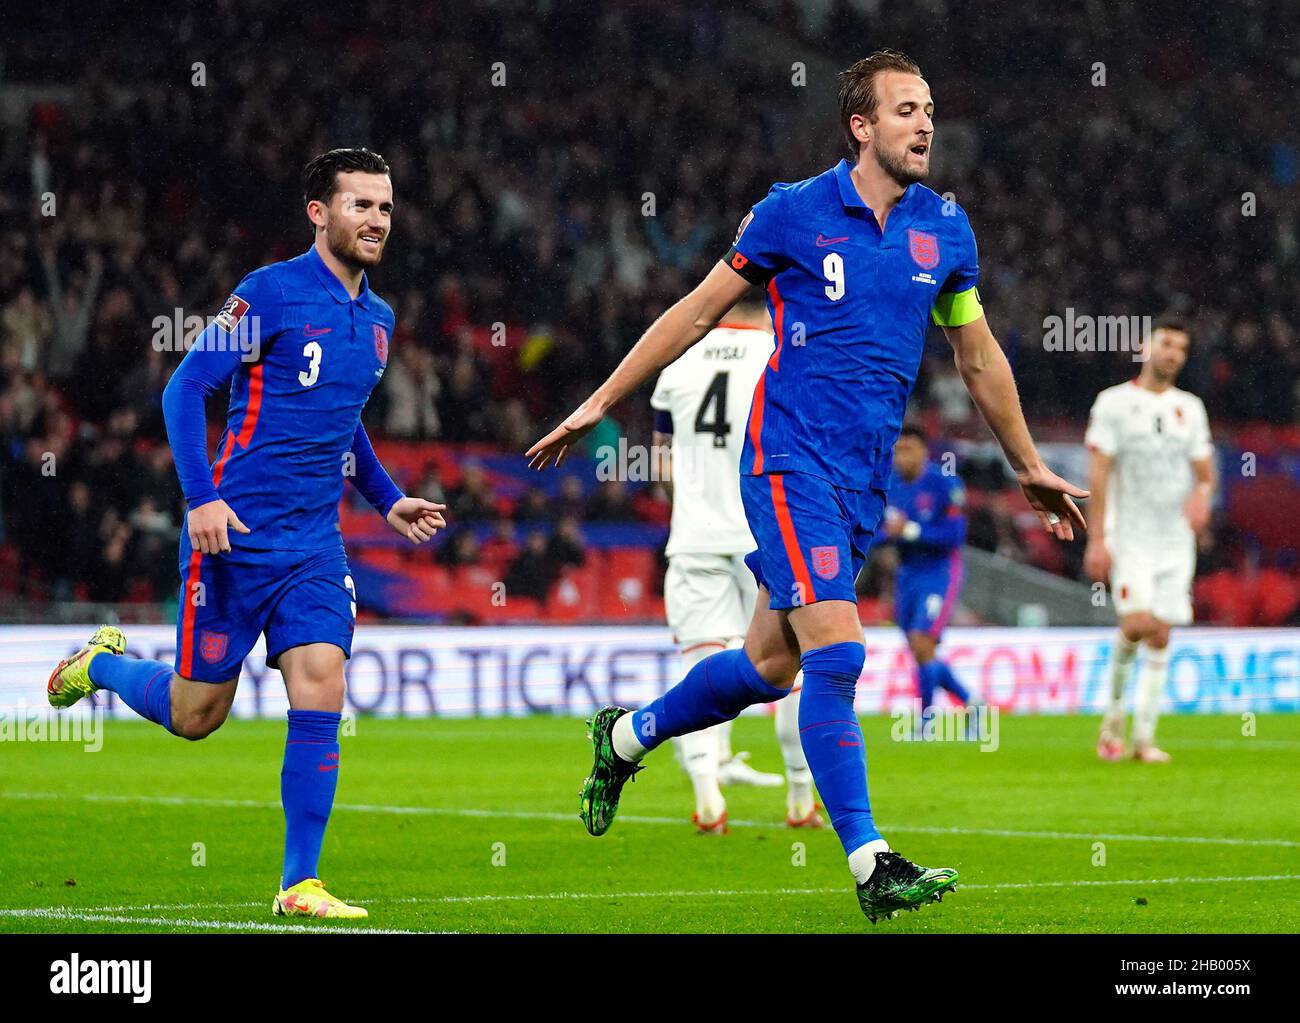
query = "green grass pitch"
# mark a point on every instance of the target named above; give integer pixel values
(472, 826)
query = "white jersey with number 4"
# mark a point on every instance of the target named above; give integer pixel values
(708, 391)
(1153, 438)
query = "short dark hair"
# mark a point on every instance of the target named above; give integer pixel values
(320, 178)
(1172, 321)
(914, 430)
(858, 87)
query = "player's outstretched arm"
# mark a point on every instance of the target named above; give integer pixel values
(688, 320)
(987, 375)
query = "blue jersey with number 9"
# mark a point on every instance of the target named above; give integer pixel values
(850, 306)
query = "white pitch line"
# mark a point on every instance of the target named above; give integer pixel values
(1093, 836)
(58, 913)
(722, 892)
(150, 907)
(1245, 742)
(434, 811)
(97, 913)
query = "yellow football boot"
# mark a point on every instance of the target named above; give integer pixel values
(309, 898)
(71, 679)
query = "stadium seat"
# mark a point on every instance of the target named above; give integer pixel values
(629, 583)
(1223, 598)
(1277, 595)
(575, 596)
(10, 559)
(388, 559)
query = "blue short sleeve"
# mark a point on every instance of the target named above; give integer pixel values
(965, 273)
(759, 252)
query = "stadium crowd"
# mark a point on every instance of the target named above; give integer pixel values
(559, 181)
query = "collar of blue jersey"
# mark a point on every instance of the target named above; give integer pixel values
(849, 191)
(335, 286)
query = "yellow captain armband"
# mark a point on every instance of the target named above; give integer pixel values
(957, 308)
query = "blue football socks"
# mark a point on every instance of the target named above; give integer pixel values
(833, 742)
(307, 783)
(715, 690)
(947, 680)
(144, 686)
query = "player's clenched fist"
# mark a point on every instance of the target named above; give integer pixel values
(416, 519)
(208, 525)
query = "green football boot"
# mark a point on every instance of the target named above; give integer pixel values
(609, 773)
(71, 679)
(898, 884)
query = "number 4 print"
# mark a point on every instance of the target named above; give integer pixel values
(715, 401)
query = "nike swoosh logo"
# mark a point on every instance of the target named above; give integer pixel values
(842, 743)
(822, 242)
(327, 767)
(317, 332)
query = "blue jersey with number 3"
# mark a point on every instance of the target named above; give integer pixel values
(301, 357)
(850, 306)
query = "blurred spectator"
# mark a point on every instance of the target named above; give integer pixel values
(565, 547)
(26, 326)
(533, 506)
(500, 545)
(472, 501)
(610, 503)
(572, 502)
(430, 485)
(533, 571)
(459, 550)
(412, 388)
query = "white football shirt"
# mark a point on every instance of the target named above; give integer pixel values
(708, 391)
(1153, 439)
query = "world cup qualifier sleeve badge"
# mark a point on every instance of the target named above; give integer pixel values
(381, 344)
(231, 313)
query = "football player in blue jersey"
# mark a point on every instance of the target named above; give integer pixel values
(926, 522)
(299, 345)
(856, 261)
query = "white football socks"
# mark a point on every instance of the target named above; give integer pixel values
(623, 736)
(862, 860)
(698, 753)
(1151, 687)
(1121, 664)
(798, 778)
(723, 732)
